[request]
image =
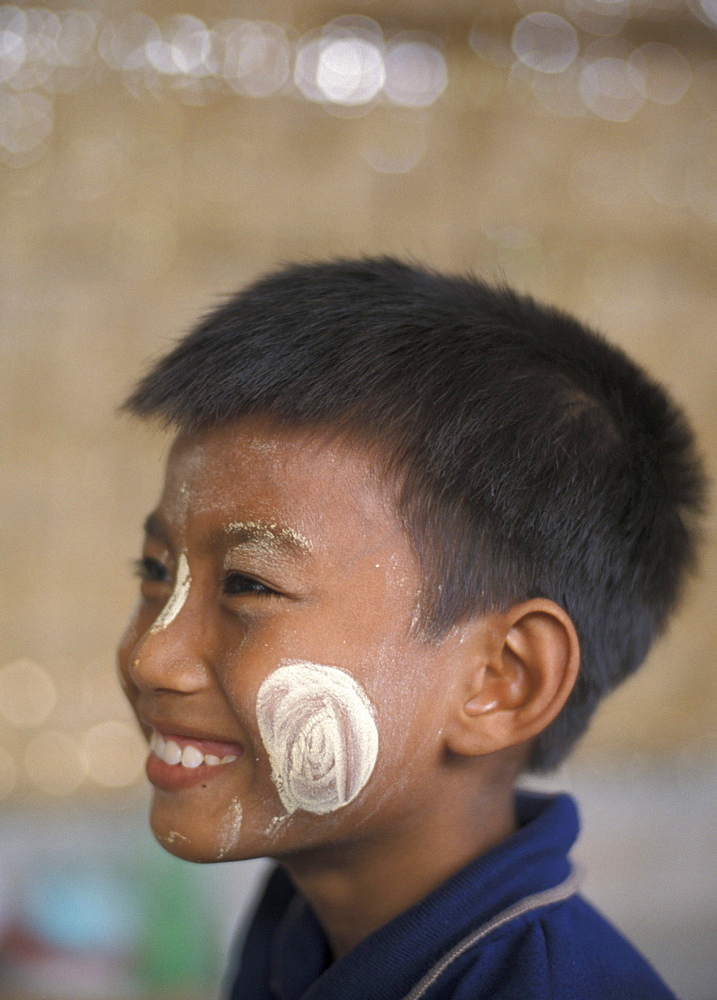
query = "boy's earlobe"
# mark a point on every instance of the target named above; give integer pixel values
(521, 676)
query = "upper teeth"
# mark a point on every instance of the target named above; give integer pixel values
(190, 756)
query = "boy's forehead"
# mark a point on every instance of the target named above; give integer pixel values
(298, 481)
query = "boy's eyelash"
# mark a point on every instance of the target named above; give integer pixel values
(151, 569)
(238, 583)
(234, 583)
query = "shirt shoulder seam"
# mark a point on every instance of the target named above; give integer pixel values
(547, 897)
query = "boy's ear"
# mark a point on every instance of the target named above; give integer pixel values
(518, 668)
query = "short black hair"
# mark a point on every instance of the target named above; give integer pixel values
(531, 457)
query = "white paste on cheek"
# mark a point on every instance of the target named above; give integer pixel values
(177, 598)
(319, 730)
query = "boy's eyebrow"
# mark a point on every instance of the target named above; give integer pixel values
(266, 532)
(154, 528)
(241, 533)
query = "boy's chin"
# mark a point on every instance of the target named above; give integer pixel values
(178, 844)
(194, 835)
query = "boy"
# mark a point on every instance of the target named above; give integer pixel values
(413, 529)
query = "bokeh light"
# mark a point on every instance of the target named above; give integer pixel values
(608, 87)
(13, 47)
(27, 693)
(349, 70)
(604, 18)
(662, 73)
(114, 753)
(123, 44)
(26, 121)
(184, 46)
(578, 60)
(55, 764)
(545, 42)
(709, 9)
(78, 32)
(257, 58)
(416, 72)
(306, 64)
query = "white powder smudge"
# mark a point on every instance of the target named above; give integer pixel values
(271, 532)
(172, 837)
(275, 826)
(319, 730)
(177, 598)
(230, 830)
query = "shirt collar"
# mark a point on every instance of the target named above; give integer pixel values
(531, 860)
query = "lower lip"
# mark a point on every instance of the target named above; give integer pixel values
(175, 777)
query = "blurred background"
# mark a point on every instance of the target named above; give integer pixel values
(154, 156)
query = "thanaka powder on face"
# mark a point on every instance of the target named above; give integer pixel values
(230, 830)
(177, 598)
(173, 837)
(319, 730)
(270, 532)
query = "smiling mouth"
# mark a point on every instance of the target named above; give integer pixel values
(185, 753)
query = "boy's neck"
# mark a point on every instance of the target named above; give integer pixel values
(361, 887)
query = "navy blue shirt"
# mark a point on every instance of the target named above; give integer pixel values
(509, 926)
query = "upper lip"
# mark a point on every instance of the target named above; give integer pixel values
(169, 728)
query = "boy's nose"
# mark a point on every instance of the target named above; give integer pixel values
(173, 655)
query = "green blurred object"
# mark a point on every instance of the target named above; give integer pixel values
(179, 951)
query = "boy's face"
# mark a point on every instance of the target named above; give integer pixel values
(272, 648)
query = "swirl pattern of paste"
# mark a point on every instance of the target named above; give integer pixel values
(319, 730)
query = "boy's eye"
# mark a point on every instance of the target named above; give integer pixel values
(152, 570)
(238, 583)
